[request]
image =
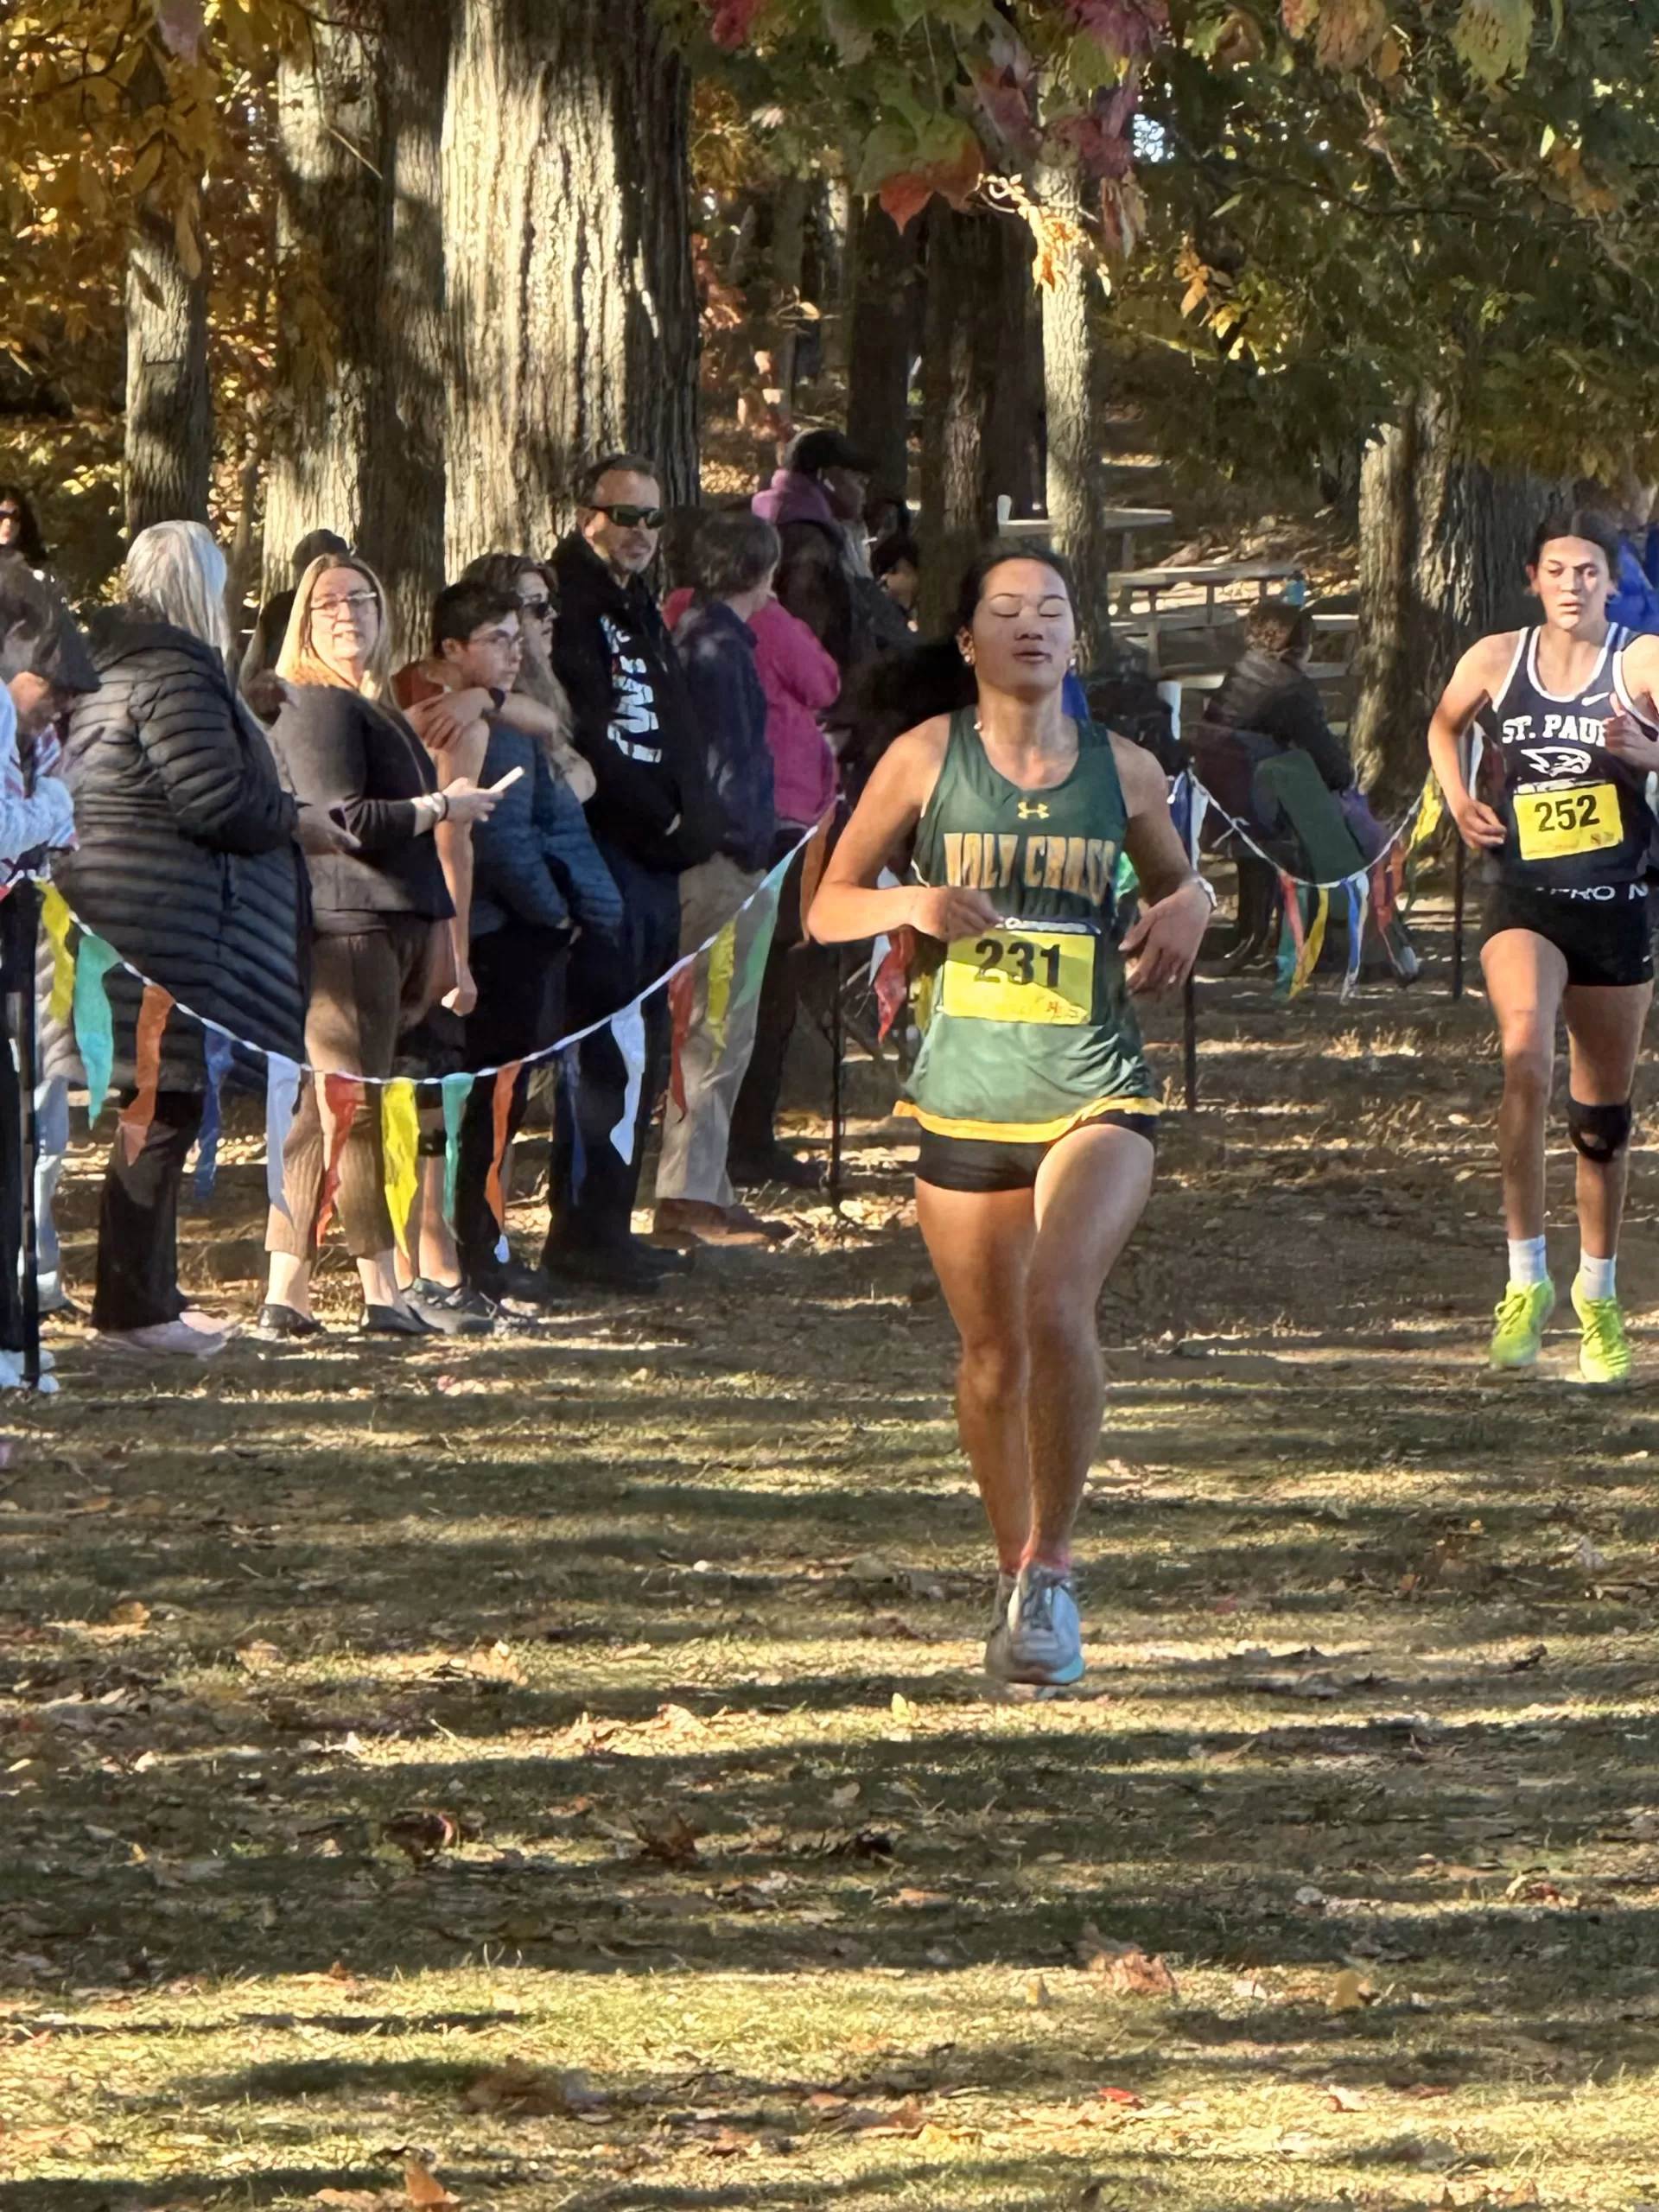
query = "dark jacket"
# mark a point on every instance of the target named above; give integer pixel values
(818, 582)
(187, 862)
(535, 860)
(360, 761)
(1275, 698)
(716, 650)
(634, 719)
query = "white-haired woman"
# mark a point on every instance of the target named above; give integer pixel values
(186, 863)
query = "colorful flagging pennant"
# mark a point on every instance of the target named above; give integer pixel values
(400, 1145)
(500, 1114)
(722, 960)
(94, 1025)
(682, 1004)
(57, 921)
(1431, 812)
(456, 1091)
(1356, 888)
(283, 1077)
(1309, 958)
(1290, 937)
(747, 987)
(891, 980)
(133, 1126)
(570, 1081)
(341, 1096)
(217, 1053)
(1383, 901)
(628, 1028)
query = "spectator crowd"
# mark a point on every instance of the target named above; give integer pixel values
(305, 855)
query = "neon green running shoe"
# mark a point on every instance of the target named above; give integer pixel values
(1520, 1315)
(1603, 1356)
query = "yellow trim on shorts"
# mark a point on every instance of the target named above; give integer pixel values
(941, 1125)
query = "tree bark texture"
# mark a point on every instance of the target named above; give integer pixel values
(979, 392)
(1443, 542)
(1073, 386)
(358, 448)
(169, 408)
(885, 336)
(573, 317)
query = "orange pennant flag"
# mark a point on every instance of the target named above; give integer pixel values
(147, 1072)
(501, 1107)
(812, 861)
(342, 1095)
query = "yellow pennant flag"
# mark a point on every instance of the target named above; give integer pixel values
(1430, 816)
(723, 960)
(400, 1140)
(1312, 944)
(55, 920)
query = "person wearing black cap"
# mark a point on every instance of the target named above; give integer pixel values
(44, 667)
(816, 507)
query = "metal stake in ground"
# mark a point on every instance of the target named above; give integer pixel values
(1190, 1042)
(837, 1046)
(1457, 919)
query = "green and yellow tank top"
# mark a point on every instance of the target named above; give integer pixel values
(1028, 1030)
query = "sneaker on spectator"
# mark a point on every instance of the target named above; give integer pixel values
(512, 1282)
(621, 1266)
(701, 1221)
(450, 1308)
(163, 1339)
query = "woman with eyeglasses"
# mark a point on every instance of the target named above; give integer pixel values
(1038, 1111)
(381, 950)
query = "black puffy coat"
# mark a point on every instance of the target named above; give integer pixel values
(186, 860)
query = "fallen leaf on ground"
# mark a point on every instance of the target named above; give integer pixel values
(902, 1708)
(672, 1842)
(1348, 1993)
(1124, 1968)
(1037, 1994)
(922, 1900)
(1120, 2096)
(847, 1795)
(424, 2188)
(421, 1835)
(522, 2090)
(1343, 2100)
(131, 1612)
(731, 2143)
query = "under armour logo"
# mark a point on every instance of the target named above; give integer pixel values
(1037, 812)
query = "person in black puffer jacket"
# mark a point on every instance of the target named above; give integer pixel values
(188, 864)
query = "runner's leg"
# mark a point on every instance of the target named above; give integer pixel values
(1525, 977)
(1604, 1027)
(1092, 1191)
(980, 1242)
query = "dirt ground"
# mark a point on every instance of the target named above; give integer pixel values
(557, 1765)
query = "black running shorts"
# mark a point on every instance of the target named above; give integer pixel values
(980, 1163)
(1604, 942)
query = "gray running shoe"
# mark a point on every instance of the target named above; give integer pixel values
(996, 1644)
(1044, 1641)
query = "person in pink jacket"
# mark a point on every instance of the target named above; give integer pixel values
(800, 683)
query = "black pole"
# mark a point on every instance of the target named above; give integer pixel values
(836, 1047)
(1457, 920)
(1190, 1042)
(26, 923)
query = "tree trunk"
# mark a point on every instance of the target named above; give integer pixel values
(1073, 390)
(978, 397)
(573, 317)
(1443, 544)
(169, 410)
(788, 260)
(358, 446)
(885, 335)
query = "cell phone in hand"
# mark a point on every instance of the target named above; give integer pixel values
(510, 778)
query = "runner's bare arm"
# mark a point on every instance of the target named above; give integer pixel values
(1477, 679)
(1177, 906)
(1624, 736)
(847, 906)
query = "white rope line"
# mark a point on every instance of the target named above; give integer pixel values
(1302, 882)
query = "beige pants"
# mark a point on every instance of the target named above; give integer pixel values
(714, 1053)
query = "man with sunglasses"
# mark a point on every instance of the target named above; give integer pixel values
(652, 816)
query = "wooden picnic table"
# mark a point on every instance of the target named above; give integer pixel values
(1125, 520)
(1210, 578)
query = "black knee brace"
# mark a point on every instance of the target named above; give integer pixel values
(1600, 1133)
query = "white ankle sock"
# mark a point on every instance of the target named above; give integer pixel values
(1527, 1264)
(1596, 1276)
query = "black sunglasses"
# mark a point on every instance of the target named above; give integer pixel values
(632, 518)
(542, 609)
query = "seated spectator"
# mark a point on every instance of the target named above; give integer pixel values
(44, 670)
(736, 560)
(536, 878)
(186, 863)
(381, 948)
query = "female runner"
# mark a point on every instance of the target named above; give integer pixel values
(1038, 1111)
(1559, 764)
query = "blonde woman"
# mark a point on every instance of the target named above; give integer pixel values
(379, 916)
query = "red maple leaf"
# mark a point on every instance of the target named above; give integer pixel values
(1005, 102)
(1101, 139)
(731, 19)
(1131, 29)
(904, 196)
